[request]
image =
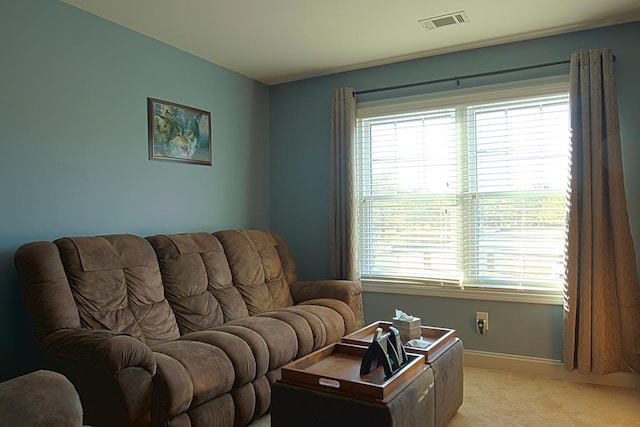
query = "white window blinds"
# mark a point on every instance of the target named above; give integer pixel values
(469, 194)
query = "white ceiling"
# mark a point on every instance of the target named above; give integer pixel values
(275, 41)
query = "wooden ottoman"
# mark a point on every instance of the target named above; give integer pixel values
(325, 389)
(444, 355)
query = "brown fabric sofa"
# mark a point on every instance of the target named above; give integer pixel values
(177, 330)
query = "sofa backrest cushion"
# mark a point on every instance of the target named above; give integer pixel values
(256, 269)
(197, 281)
(45, 287)
(116, 284)
(288, 263)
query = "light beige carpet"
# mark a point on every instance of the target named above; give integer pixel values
(501, 398)
(505, 399)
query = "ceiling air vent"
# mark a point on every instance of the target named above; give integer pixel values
(444, 20)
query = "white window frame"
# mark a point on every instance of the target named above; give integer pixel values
(485, 94)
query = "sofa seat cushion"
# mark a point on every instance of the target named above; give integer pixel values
(348, 317)
(306, 328)
(256, 343)
(237, 350)
(190, 373)
(279, 337)
(316, 325)
(332, 321)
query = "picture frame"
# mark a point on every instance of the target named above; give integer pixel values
(178, 133)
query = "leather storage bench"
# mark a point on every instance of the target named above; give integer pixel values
(445, 357)
(294, 406)
(448, 381)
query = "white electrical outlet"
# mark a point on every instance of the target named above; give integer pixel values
(482, 322)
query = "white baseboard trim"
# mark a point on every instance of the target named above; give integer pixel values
(547, 368)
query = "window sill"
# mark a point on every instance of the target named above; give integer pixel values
(486, 294)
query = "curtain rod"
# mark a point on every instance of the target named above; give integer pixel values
(458, 78)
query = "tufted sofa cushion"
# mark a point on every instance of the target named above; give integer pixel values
(256, 269)
(130, 296)
(204, 278)
(197, 281)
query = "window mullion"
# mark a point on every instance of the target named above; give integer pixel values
(463, 162)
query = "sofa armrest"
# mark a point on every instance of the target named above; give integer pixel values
(347, 291)
(105, 350)
(113, 373)
(343, 290)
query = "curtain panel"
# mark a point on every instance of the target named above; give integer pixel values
(602, 295)
(342, 231)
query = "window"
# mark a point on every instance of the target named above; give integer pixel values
(465, 192)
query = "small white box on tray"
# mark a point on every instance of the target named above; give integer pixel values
(408, 326)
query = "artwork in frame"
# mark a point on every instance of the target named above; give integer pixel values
(178, 133)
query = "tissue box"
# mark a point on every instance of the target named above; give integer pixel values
(409, 329)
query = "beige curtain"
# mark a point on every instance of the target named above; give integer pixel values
(602, 295)
(342, 233)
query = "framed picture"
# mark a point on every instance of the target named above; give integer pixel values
(178, 133)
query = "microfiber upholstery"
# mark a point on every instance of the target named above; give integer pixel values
(40, 398)
(130, 297)
(186, 329)
(310, 332)
(263, 270)
(197, 281)
(256, 269)
(237, 350)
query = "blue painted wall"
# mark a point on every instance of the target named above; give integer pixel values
(300, 128)
(73, 160)
(73, 143)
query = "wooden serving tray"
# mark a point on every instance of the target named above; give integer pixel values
(439, 339)
(336, 369)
